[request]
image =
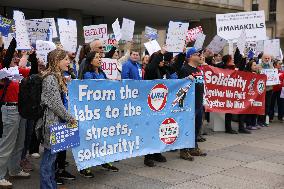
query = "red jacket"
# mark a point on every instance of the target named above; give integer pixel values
(281, 78)
(13, 88)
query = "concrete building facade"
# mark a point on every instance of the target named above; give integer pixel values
(154, 13)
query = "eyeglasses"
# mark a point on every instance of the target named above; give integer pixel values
(101, 47)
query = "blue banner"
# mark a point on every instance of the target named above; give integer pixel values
(6, 26)
(124, 119)
(63, 136)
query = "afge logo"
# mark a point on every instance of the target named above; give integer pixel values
(169, 131)
(260, 86)
(157, 98)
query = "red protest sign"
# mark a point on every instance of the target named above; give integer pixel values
(192, 33)
(235, 92)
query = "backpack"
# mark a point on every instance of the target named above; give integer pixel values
(30, 97)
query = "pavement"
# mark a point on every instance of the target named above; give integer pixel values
(242, 161)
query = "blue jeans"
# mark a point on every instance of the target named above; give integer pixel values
(12, 141)
(47, 170)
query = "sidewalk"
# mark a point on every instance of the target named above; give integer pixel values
(240, 161)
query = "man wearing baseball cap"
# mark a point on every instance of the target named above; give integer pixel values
(190, 70)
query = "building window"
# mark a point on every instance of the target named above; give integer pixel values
(272, 10)
(254, 6)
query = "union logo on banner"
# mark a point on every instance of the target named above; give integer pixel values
(169, 131)
(157, 98)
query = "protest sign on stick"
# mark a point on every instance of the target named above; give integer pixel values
(38, 30)
(192, 33)
(22, 35)
(231, 25)
(116, 30)
(109, 66)
(200, 38)
(176, 36)
(68, 34)
(43, 48)
(95, 32)
(272, 76)
(151, 33)
(217, 44)
(272, 47)
(152, 46)
(127, 29)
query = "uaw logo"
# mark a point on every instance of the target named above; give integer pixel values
(169, 131)
(157, 98)
(260, 86)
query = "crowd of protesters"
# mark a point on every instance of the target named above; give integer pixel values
(19, 140)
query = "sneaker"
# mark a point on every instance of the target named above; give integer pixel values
(197, 152)
(244, 131)
(201, 139)
(159, 157)
(231, 131)
(5, 184)
(258, 126)
(149, 162)
(59, 181)
(35, 155)
(65, 175)
(266, 125)
(87, 173)
(26, 165)
(21, 174)
(184, 154)
(110, 167)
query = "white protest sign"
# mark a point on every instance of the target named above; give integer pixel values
(52, 26)
(259, 47)
(192, 33)
(116, 30)
(176, 36)
(22, 35)
(152, 46)
(43, 48)
(38, 30)
(151, 33)
(251, 46)
(12, 73)
(280, 55)
(217, 44)
(241, 43)
(231, 48)
(231, 25)
(109, 66)
(95, 32)
(272, 76)
(127, 29)
(68, 34)
(272, 47)
(200, 38)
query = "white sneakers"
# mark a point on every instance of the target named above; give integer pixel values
(5, 184)
(21, 174)
(36, 155)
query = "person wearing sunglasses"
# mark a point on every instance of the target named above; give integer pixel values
(191, 70)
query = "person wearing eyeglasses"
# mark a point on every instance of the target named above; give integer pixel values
(191, 70)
